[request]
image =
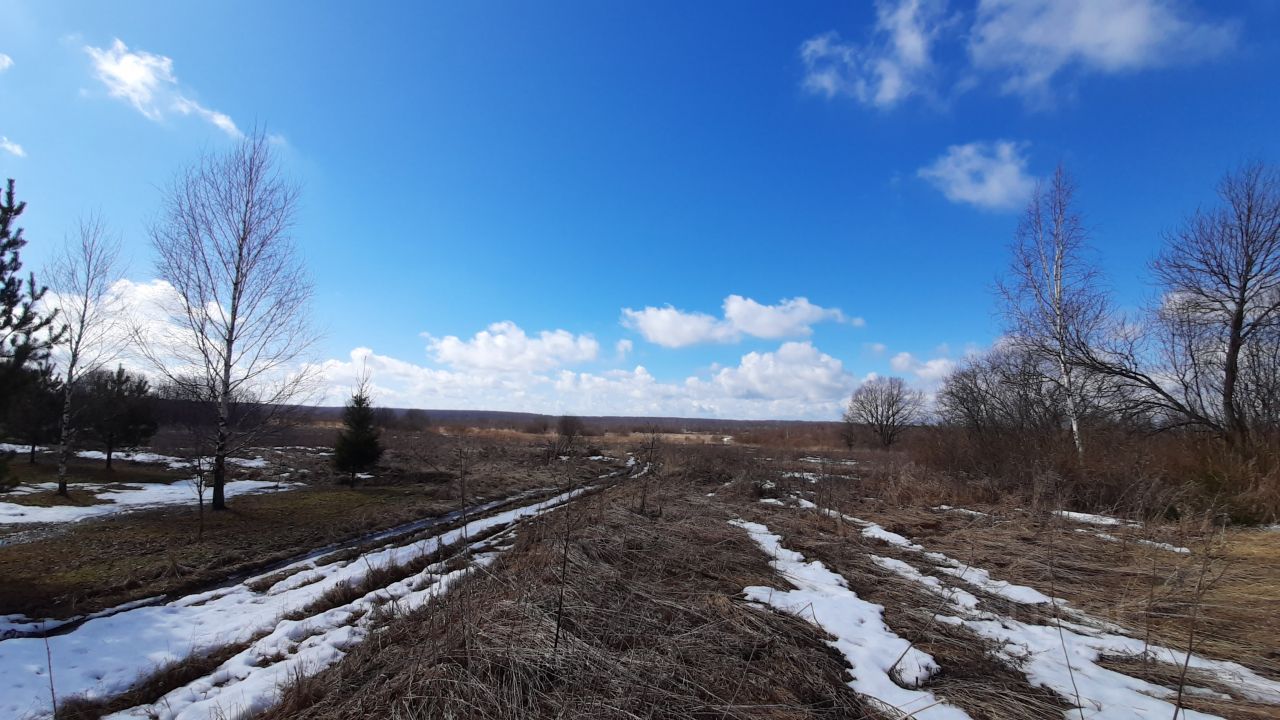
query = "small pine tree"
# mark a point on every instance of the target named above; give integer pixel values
(26, 331)
(119, 409)
(358, 448)
(35, 406)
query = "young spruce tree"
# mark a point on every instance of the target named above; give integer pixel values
(26, 332)
(358, 448)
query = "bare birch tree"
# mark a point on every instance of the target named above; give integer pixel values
(81, 280)
(887, 405)
(242, 296)
(1052, 300)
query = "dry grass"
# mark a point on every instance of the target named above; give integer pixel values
(639, 614)
(1149, 590)
(650, 629)
(972, 678)
(101, 563)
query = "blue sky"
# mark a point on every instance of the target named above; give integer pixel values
(786, 197)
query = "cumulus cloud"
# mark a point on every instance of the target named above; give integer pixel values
(929, 371)
(1029, 42)
(989, 175)
(893, 65)
(670, 327)
(795, 381)
(796, 370)
(147, 82)
(788, 318)
(6, 62)
(11, 147)
(504, 346)
(623, 348)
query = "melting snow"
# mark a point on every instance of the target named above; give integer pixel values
(1038, 650)
(962, 511)
(123, 497)
(104, 656)
(1092, 519)
(870, 647)
(1141, 541)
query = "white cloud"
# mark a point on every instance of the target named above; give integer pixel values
(504, 368)
(796, 371)
(1029, 42)
(6, 62)
(146, 81)
(989, 175)
(788, 318)
(670, 327)
(876, 348)
(222, 121)
(795, 381)
(503, 346)
(930, 371)
(11, 147)
(623, 348)
(894, 65)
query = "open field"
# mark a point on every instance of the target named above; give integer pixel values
(688, 581)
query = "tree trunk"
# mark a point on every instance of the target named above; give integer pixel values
(1236, 431)
(32, 458)
(64, 436)
(219, 501)
(110, 449)
(1073, 412)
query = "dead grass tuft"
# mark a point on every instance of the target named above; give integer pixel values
(649, 626)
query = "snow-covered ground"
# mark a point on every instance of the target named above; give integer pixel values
(810, 476)
(827, 461)
(1042, 650)
(174, 463)
(122, 497)
(884, 666)
(1141, 541)
(142, 456)
(1091, 519)
(961, 511)
(104, 656)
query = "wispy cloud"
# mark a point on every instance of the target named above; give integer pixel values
(989, 175)
(893, 65)
(11, 147)
(1021, 46)
(1027, 43)
(147, 82)
(6, 62)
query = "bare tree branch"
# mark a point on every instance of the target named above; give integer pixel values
(224, 245)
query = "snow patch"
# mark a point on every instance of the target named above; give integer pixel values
(823, 598)
(125, 497)
(1092, 519)
(962, 511)
(104, 656)
(1141, 541)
